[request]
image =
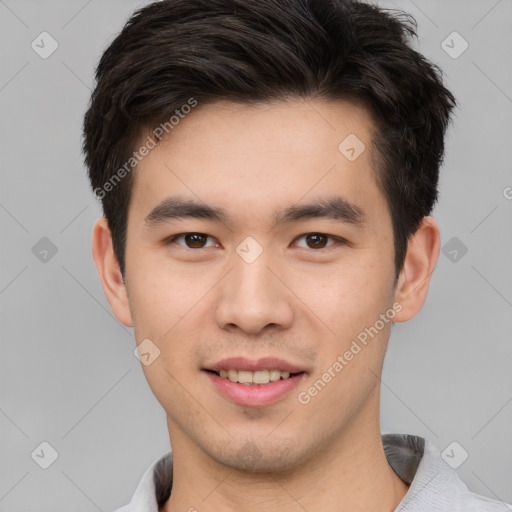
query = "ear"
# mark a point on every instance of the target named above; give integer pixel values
(419, 264)
(110, 272)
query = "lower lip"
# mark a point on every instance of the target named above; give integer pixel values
(255, 395)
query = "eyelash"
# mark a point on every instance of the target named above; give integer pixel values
(339, 240)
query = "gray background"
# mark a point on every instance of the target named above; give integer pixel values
(67, 372)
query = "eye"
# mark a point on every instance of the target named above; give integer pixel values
(192, 240)
(199, 240)
(318, 240)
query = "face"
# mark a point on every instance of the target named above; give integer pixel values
(251, 283)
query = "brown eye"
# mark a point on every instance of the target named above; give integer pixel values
(192, 240)
(195, 240)
(317, 240)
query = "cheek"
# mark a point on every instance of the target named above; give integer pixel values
(159, 297)
(168, 308)
(349, 296)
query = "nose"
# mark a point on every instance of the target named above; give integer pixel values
(253, 297)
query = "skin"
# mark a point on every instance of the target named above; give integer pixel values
(199, 304)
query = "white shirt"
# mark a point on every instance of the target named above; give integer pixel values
(433, 484)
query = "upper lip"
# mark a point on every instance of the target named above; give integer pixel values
(253, 365)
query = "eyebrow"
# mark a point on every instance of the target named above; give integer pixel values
(333, 208)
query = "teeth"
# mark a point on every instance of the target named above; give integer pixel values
(244, 377)
(274, 375)
(258, 377)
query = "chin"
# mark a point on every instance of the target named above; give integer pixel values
(260, 456)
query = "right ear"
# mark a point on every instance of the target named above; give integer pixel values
(110, 272)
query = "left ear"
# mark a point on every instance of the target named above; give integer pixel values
(419, 264)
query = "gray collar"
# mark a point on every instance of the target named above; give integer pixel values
(433, 484)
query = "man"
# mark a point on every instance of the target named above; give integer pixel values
(267, 170)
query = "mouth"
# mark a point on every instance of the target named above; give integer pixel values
(256, 378)
(254, 383)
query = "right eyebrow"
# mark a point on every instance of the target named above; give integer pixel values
(175, 207)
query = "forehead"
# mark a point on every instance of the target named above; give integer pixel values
(254, 157)
(290, 126)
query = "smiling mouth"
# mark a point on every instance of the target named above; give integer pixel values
(257, 378)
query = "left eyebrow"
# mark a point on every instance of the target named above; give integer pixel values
(334, 208)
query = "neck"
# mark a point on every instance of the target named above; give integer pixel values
(350, 474)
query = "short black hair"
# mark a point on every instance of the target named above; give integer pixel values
(177, 53)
